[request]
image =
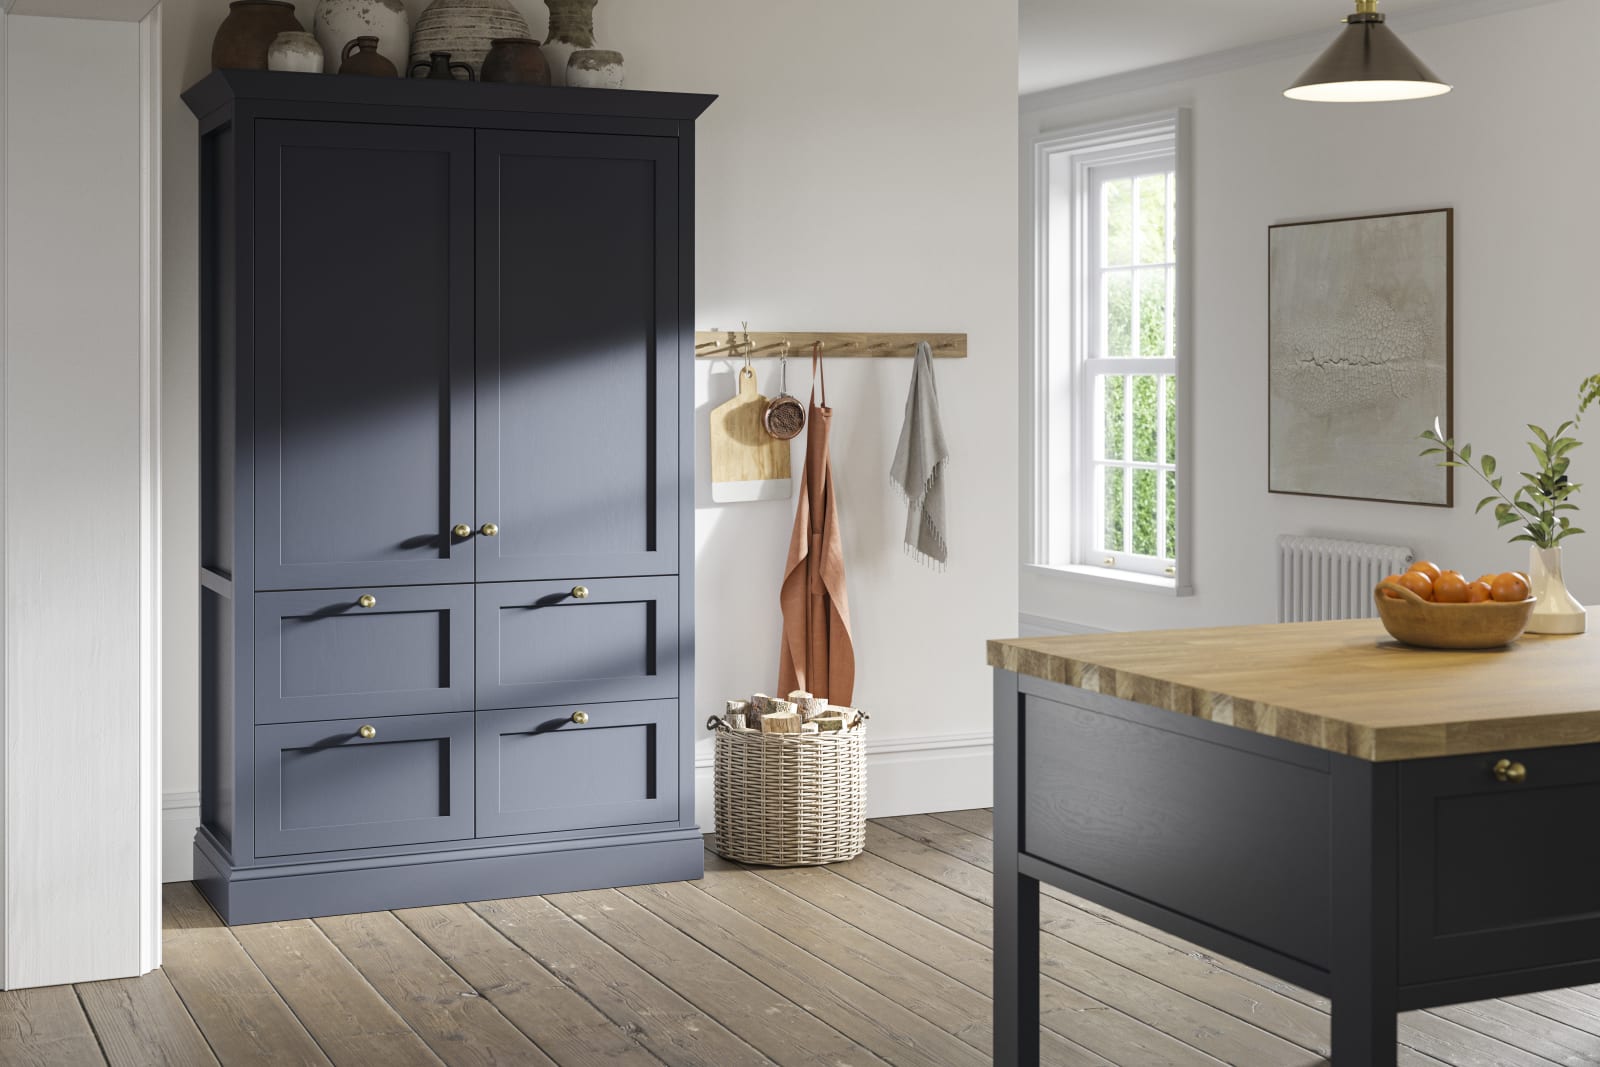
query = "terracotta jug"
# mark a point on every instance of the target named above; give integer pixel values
(243, 39)
(361, 56)
(439, 67)
(516, 59)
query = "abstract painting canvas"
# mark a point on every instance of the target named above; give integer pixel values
(1358, 355)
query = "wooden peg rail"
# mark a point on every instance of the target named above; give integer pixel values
(709, 345)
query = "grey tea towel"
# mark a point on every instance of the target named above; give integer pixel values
(919, 464)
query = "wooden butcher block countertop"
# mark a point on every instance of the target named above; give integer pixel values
(1341, 686)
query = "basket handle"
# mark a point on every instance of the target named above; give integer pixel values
(860, 718)
(1396, 587)
(716, 722)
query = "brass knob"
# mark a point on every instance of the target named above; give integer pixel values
(580, 717)
(488, 529)
(580, 592)
(367, 600)
(462, 530)
(1509, 771)
(368, 731)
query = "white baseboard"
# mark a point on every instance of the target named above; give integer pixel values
(905, 775)
(180, 817)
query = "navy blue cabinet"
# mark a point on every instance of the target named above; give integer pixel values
(446, 523)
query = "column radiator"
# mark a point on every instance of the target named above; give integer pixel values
(1320, 579)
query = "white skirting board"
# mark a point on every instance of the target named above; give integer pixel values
(905, 776)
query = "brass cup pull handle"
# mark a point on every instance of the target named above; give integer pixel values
(367, 600)
(1510, 771)
(488, 529)
(580, 717)
(462, 530)
(368, 731)
(580, 592)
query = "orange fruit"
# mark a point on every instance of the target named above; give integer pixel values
(1450, 588)
(1423, 566)
(1458, 574)
(1487, 579)
(1419, 583)
(1480, 592)
(1391, 594)
(1511, 587)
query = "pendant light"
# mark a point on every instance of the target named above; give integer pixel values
(1366, 63)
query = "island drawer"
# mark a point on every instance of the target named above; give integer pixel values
(1498, 875)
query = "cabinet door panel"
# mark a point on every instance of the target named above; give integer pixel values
(363, 354)
(538, 644)
(577, 355)
(539, 771)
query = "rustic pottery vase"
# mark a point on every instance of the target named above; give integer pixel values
(361, 56)
(295, 50)
(571, 30)
(517, 60)
(1557, 611)
(337, 22)
(439, 67)
(465, 29)
(246, 35)
(595, 68)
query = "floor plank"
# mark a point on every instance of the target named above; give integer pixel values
(340, 1009)
(460, 1026)
(141, 1021)
(45, 1028)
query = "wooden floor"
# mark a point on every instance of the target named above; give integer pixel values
(882, 960)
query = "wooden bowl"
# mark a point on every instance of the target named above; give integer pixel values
(1420, 622)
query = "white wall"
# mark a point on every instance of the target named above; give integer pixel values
(1511, 150)
(853, 176)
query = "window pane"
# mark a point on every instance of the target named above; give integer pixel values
(1116, 229)
(1112, 390)
(1146, 417)
(1152, 193)
(1172, 515)
(1153, 312)
(1145, 503)
(1112, 479)
(1117, 307)
(1172, 420)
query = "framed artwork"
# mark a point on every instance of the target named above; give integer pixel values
(1359, 341)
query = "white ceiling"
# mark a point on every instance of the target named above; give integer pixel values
(1068, 41)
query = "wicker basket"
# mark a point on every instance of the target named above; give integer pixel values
(790, 800)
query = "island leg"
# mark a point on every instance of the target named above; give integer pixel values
(1365, 836)
(1016, 895)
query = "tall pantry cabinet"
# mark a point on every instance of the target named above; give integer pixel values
(447, 467)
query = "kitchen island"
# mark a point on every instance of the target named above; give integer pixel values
(1393, 828)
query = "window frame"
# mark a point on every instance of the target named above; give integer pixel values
(1059, 452)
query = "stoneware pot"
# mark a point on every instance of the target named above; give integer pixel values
(295, 50)
(246, 35)
(465, 29)
(337, 22)
(571, 30)
(362, 56)
(595, 68)
(439, 67)
(515, 60)
(1556, 611)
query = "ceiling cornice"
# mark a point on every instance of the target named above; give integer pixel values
(1442, 14)
(104, 10)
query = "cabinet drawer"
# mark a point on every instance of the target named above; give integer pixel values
(1498, 876)
(539, 644)
(540, 771)
(321, 655)
(321, 786)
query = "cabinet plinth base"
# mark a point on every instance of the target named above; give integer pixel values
(303, 890)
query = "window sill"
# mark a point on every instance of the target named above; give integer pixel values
(1153, 583)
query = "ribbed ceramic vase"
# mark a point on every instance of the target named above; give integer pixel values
(1557, 611)
(571, 30)
(465, 29)
(338, 22)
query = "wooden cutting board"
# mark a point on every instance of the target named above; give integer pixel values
(747, 463)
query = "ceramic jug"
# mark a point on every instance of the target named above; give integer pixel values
(440, 67)
(515, 59)
(361, 56)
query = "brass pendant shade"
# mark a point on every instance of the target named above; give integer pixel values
(1366, 63)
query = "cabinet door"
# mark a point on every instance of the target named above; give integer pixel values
(577, 355)
(363, 354)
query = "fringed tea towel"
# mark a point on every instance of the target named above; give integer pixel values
(919, 464)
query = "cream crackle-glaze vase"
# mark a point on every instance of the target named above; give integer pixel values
(571, 30)
(1558, 611)
(464, 28)
(338, 22)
